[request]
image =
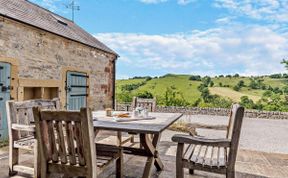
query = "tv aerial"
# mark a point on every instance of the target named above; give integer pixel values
(73, 7)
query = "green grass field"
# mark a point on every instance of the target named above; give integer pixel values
(158, 86)
(232, 94)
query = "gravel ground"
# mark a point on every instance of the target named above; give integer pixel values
(257, 134)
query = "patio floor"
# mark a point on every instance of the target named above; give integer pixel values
(249, 163)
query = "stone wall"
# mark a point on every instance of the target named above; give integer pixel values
(43, 55)
(213, 111)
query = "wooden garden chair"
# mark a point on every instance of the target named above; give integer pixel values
(212, 155)
(66, 143)
(193, 127)
(149, 104)
(22, 132)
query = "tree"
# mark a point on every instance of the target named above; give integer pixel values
(195, 78)
(148, 78)
(256, 83)
(145, 94)
(247, 103)
(275, 76)
(285, 89)
(236, 88)
(205, 94)
(124, 96)
(211, 84)
(285, 62)
(206, 80)
(173, 97)
(241, 83)
(277, 90)
(236, 75)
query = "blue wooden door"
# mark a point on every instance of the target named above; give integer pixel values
(5, 71)
(76, 89)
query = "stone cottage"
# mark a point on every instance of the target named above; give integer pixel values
(44, 55)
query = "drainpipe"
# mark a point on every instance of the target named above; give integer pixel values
(114, 83)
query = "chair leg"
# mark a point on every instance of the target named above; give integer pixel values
(37, 161)
(179, 166)
(191, 171)
(132, 139)
(119, 138)
(43, 170)
(13, 159)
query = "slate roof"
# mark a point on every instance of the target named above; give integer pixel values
(32, 14)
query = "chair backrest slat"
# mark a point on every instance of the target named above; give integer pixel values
(232, 120)
(70, 143)
(51, 143)
(71, 138)
(234, 133)
(79, 143)
(61, 142)
(149, 104)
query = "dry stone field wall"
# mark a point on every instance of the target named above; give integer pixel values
(212, 111)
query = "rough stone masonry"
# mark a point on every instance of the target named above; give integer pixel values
(42, 55)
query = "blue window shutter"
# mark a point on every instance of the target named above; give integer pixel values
(76, 88)
(5, 71)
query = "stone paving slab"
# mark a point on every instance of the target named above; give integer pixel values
(266, 135)
(250, 164)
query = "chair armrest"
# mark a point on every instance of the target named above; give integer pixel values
(207, 126)
(21, 127)
(179, 138)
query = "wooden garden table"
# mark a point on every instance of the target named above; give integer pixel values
(144, 128)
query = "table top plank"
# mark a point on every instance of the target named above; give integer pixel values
(158, 125)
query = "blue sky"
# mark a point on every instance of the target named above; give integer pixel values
(206, 37)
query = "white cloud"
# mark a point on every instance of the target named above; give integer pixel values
(49, 4)
(153, 1)
(248, 50)
(224, 20)
(272, 10)
(184, 2)
(180, 2)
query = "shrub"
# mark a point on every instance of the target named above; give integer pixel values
(206, 80)
(247, 103)
(145, 94)
(236, 88)
(125, 97)
(173, 97)
(211, 84)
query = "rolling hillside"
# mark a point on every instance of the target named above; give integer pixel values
(158, 86)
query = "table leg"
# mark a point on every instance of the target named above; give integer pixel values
(150, 147)
(158, 163)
